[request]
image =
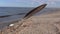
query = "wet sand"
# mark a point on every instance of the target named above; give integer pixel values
(41, 24)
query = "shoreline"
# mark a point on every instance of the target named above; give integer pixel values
(46, 24)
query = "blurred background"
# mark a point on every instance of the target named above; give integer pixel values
(22, 7)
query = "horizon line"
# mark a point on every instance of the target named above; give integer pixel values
(31, 7)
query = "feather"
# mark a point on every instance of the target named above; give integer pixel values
(35, 10)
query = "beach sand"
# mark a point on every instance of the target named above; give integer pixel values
(40, 24)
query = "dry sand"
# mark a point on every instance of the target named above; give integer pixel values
(41, 24)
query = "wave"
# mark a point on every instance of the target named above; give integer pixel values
(11, 15)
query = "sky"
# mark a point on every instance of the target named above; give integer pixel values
(29, 3)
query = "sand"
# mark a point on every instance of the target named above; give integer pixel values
(41, 24)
